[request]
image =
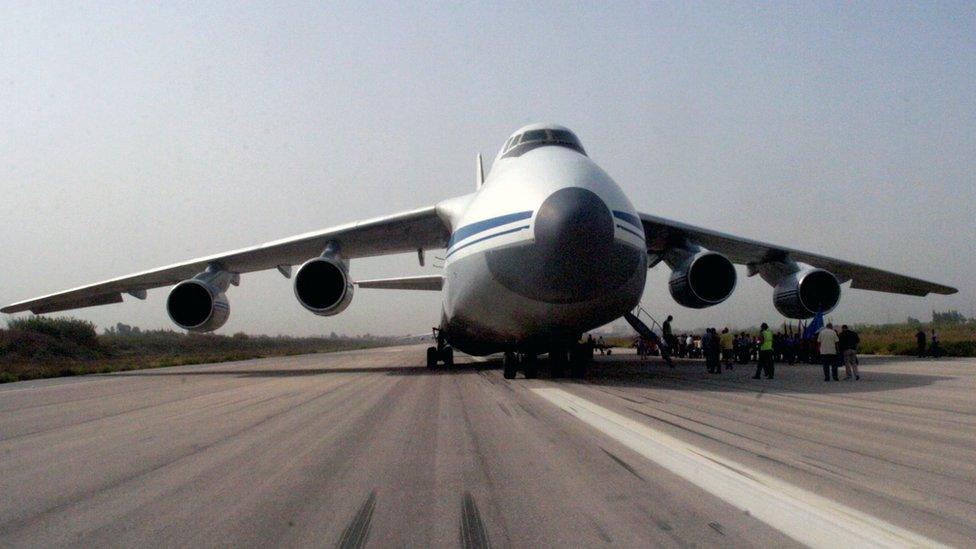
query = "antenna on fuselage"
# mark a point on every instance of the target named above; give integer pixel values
(480, 172)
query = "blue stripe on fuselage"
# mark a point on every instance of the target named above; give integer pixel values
(482, 239)
(632, 219)
(631, 231)
(481, 226)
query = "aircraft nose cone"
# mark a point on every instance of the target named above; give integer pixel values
(573, 257)
(574, 222)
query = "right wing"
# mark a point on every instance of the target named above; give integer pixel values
(663, 234)
(398, 233)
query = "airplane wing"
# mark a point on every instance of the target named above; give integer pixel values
(663, 234)
(423, 282)
(402, 232)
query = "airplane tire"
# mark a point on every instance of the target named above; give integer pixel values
(557, 363)
(447, 355)
(530, 366)
(579, 361)
(431, 357)
(509, 366)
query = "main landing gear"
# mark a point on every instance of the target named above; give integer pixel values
(575, 358)
(513, 362)
(443, 352)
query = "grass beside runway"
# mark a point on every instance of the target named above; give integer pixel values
(42, 347)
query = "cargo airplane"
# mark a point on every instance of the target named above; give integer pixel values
(546, 248)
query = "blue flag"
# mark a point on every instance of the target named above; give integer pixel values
(814, 326)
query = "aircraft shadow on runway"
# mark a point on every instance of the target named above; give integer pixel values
(299, 372)
(624, 371)
(690, 375)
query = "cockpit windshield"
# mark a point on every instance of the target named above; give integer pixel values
(532, 139)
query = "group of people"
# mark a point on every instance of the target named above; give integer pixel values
(934, 350)
(836, 349)
(830, 347)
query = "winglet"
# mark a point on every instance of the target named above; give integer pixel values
(480, 172)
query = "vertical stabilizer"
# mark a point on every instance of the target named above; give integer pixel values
(480, 172)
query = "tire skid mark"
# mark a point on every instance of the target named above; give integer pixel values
(356, 534)
(194, 449)
(65, 427)
(601, 532)
(622, 463)
(794, 435)
(473, 532)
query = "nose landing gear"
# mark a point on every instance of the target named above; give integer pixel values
(443, 352)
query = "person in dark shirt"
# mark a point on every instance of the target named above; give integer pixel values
(849, 341)
(920, 343)
(667, 335)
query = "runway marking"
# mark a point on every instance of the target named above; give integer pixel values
(804, 516)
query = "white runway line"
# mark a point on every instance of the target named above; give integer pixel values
(806, 517)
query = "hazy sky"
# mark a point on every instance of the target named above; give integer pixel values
(134, 136)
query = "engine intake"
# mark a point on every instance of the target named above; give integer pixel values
(322, 286)
(705, 279)
(807, 292)
(197, 306)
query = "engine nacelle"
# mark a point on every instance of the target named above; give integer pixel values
(806, 292)
(322, 285)
(703, 280)
(198, 306)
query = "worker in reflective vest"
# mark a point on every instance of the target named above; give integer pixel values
(765, 353)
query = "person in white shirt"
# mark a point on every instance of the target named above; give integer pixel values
(827, 338)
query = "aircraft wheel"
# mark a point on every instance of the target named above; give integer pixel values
(509, 366)
(447, 355)
(557, 362)
(578, 362)
(431, 357)
(530, 366)
(578, 369)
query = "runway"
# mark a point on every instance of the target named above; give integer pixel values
(370, 448)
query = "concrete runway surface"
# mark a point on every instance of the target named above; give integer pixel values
(369, 448)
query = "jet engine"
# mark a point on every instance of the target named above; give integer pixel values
(197, 305)
(702, 280)
(322, 285)
(806, 292)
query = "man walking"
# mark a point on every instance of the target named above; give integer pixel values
(666, 334)
(765, 363)
(849, 340)
(706, 342)
(920, 343)
(726, 341)
(828, 339)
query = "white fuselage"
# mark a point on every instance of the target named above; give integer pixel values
(548, 248)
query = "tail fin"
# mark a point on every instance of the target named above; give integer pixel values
(480, 172)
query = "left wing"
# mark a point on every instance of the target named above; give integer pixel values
(403, 232)
(664, 234)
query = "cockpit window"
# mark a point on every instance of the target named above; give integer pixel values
(534, 135)
(563, 136)
(532, 139)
